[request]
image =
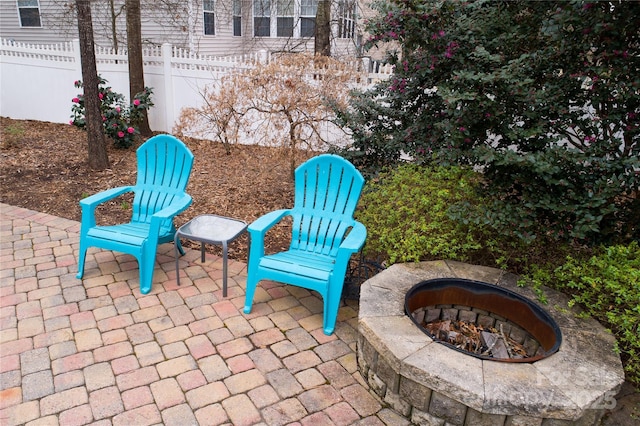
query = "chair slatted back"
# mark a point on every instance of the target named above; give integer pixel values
(327, 189)
(164, 167)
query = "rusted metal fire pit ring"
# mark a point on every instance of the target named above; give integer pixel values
(431, 384)
(490, 298)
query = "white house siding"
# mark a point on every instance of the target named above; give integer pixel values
(49, 32)
(180, 25)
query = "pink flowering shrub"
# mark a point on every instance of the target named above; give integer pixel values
(543, 97)
(120, 121)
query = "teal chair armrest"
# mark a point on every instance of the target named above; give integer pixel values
(89, 204)
(172, 210)
(258, 229)
(355, 239)
(99, 198)
(175, 208)
(261, 225)
(351, 244)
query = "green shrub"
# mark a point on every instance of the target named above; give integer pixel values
(417, 212)
(406, 214)
(607, 286)
(541, 96)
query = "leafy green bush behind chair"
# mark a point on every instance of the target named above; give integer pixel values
(414, 213)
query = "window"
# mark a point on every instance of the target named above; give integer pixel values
(29, 11)
(346, 19)
(209, 17)
(237, 18)
(285, 18)
(262, 18)
(308, 10)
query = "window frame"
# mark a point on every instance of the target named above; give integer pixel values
(236, 26)
(285, 19)
(307, 16)
(347, 14)
(26, 7)
(276, 17)
(209, 17)
(259, 20)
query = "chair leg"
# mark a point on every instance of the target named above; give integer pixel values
(82, 255)
(331, 307)
(146, 265)
(251, 289)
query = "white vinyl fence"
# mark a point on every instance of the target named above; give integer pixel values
(37, 81)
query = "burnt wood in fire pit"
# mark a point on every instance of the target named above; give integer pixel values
(456, 300)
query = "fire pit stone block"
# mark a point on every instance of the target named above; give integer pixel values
(432, 384)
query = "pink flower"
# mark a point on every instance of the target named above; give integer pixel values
(76, 100)
(451, 48)
(462, 129)
(118, 110)
(136, 102)
(131, 130)
(104, 118)
(71, 122)
(100, 95)
(121, 134)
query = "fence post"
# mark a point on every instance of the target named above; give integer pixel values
(366, 64)
(168, 86)
(263, 56)
(75, 45)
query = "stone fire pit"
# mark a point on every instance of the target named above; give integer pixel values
(430, 383)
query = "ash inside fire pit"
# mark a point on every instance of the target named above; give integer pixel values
(483, 320)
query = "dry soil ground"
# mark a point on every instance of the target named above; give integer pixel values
(43, 167)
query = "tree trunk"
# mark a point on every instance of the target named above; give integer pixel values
(97, 151)
(134, 54)
(323, 28)
(114, 27)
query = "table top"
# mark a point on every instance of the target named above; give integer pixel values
(212, 228)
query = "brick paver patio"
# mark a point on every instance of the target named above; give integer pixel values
(97, 351)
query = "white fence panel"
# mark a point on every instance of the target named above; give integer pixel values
(37, 81)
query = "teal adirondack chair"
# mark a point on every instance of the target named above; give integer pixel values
(164, 167)
(325, 234)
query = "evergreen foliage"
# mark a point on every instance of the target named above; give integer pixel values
(542, 97)
(607, 285)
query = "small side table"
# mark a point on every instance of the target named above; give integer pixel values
(212, 229)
